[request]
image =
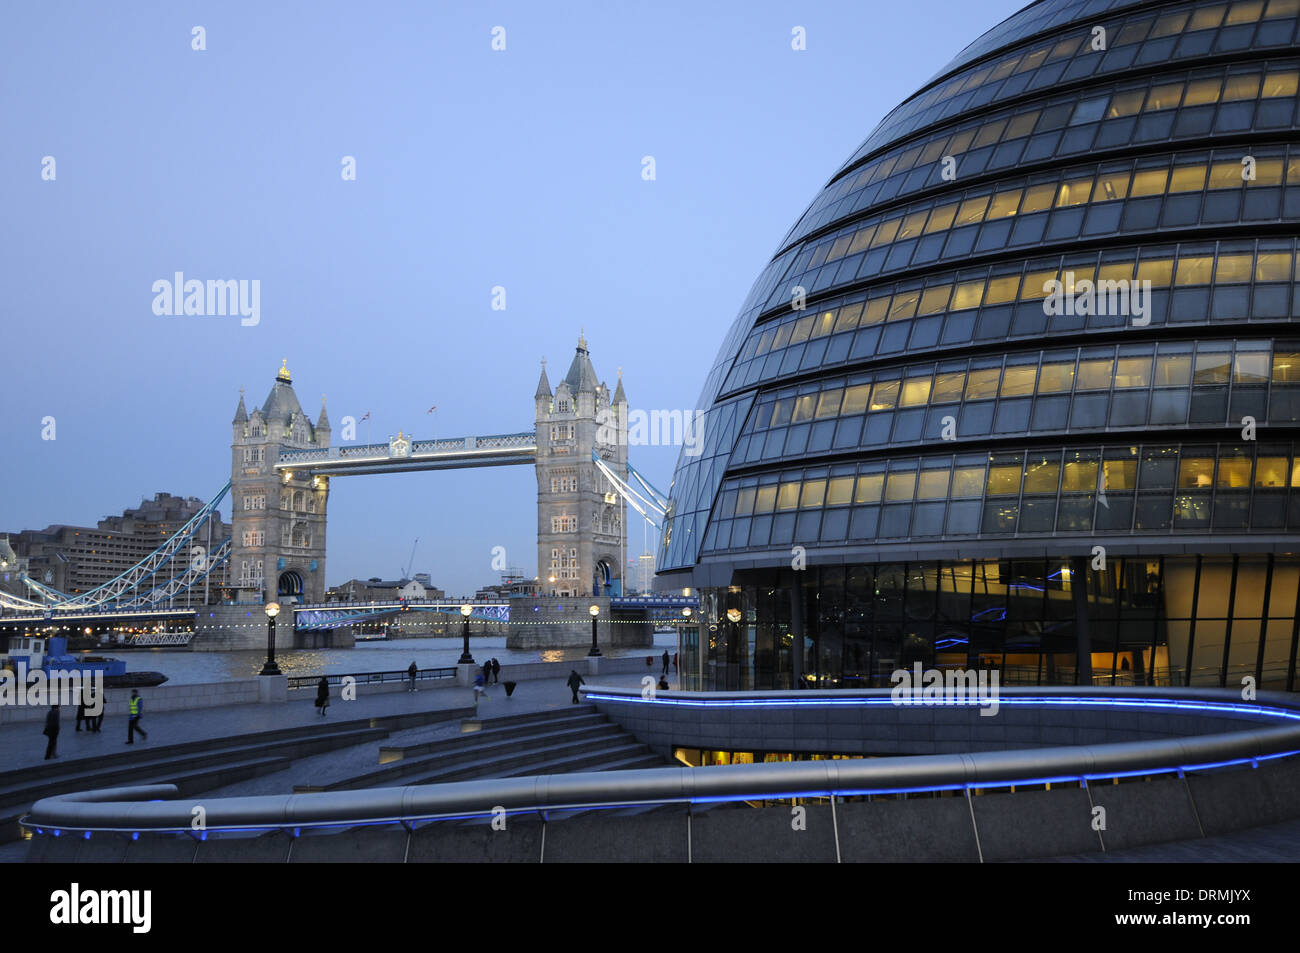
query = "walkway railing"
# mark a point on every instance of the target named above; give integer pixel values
(372, 678)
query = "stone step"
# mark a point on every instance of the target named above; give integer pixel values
(391, 753)
(499, 750)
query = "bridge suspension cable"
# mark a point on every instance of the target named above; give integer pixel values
(652, 500)
(124, 590)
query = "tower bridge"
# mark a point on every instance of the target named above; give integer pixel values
(282, 467)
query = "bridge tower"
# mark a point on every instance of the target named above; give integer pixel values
(581, 531)
(278, 524)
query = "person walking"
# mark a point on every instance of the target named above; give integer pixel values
(81, 710)
(665, 661)
(480, 684)
(51, 732)
(323, 694)
(411, 672)
(135, 708)
(97, 701)
(496, 671)
(574, 681)
(674, 661)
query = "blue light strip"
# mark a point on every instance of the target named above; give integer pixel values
(976, 701)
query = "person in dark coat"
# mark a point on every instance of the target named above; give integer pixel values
(574, 681)
(51, 732)
(323, 694)
(674, 661)
(81, 710)
(665, 661)
(496, 671)
(96, 722)
(663, 683)
(411, 672)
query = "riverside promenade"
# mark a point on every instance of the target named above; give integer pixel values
(22, 744)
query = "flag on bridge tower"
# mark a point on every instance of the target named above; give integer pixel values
(432, 409)
(365, 418)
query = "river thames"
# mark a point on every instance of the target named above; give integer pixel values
(183, 667)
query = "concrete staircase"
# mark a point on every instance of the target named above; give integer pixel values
(554, 742)
(196, 765)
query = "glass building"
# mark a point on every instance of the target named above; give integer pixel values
(1021, 388)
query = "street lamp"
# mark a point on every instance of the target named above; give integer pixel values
(270, 668)
(465, 657)
(595, 649)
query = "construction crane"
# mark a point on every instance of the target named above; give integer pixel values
(406, 573)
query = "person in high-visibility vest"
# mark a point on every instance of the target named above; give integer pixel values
(134, 709)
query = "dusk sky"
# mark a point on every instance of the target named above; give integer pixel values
(475, 168)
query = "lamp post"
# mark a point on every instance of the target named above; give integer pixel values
(465, 657)
(595, 649)
(270, 668)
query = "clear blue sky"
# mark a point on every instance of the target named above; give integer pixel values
(475, 168)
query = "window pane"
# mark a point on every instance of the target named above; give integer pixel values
(855, 399)
(941, 218)
(1018, 381)
(1234, 473)
(814, 494)
(1079, 476)
(803, 407)
(916, 392)
(1002, 290)
(1187, 178)
(1004, 204)
(1133, 372)
(1126, 104)
(1281, 83)
(933, 485)
(1270, 471)
(1112, 185)
(1095, 374)
(969, 294)
(900, 487)
(1226, 175)
(828, 403)
(1251, 367)
(1158, 271)
(983, 383)
(884, 395)
(972, 210)
(1234, 268)
(788, 497)
(1074, 192)
(1004, 480)
(765, 500)
(1119, 474)
(1286, 367)
(1195, 472)
(1211, 368)
(968, 481)
(839, 491)
(1173, 370)
(1056, 378)
(1238, 88)
(1166, 96)
(1037, 198)
(948, 387)
(869, 486)
(1201, 92)
(935, 300)
(1149, 182)
(1041, 476)
(1194, 271)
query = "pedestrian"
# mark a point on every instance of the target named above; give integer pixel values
(663, 683)
(135, 708)
(51, 732)
(487, 672)
(674, 661)
(323, 694)
(98, 702)
(574, 681)
(81, 710)
(479, 686)
(411, 672)
(496, 671)
(665, 661)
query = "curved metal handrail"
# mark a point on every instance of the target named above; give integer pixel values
(136, 809)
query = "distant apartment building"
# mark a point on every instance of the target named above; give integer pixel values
(418, 588)
(76, 559)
